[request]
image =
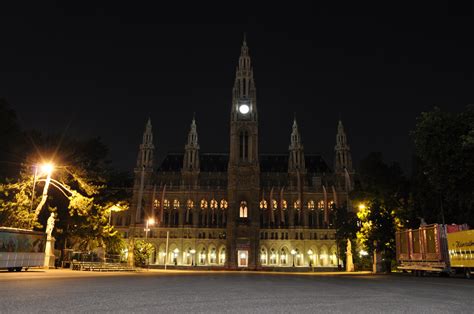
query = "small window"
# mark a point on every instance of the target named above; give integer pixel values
(243, 213)
(224, 204)
(203, 204)
(176, 204)
(263, 204)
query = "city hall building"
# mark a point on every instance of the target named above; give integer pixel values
(241, 209)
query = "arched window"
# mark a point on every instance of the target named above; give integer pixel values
(156, 203)
(244, 145)
(190, 204)
(243, 213)
(311, 205)
(321, 205)
(297, 205)
(284, 204)
(263, 204)
(331, 205)
(176, 204)
(166, 204)
(274, 204)
(203, 204)
(213, 204)
(224, 204)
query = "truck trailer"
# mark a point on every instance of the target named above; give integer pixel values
(443, 249)
(21, 248)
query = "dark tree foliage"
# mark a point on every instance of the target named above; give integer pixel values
(384, 191)
(444, 172)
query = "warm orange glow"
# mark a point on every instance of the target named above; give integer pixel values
(47, 168)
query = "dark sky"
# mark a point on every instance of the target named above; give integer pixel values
(102, 71)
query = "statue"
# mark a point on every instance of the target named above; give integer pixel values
(50, 225)
(349, 262)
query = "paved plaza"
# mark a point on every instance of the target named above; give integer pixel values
(230, 292)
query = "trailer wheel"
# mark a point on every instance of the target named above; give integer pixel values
(467, 273)
(18, 269)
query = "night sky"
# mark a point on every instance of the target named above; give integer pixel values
(103, 71)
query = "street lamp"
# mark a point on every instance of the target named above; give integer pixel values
(176, 251)
(47, 169)
(293, 252)
(193, 251)
(310, 254)
(150, 221)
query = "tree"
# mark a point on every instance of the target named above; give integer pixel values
(142, 251)
(345, 223)
(444, 146)
(383, 191)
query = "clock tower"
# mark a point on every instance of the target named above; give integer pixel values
(243, 170)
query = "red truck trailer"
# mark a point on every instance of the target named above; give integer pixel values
(432, 248)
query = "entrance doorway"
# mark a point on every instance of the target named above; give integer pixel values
(243, 258)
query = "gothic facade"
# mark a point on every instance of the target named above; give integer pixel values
(244, 209)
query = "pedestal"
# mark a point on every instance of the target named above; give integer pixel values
(49, 257)
(349, 263)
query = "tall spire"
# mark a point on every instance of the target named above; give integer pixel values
(296, 160)
(145, 154)
(244, 91)
(343, 158)
(191, 154)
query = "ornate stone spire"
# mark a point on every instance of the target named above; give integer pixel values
(343, 160)
(145, 154)
(191, 150)
(296, 160)
(244, 91)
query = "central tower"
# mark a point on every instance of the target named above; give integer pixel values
(243, 169)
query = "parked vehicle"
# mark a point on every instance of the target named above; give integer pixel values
(21, 248)
(444, 249)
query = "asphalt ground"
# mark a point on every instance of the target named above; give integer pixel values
(65, 291)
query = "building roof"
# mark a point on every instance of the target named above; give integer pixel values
(217, 162)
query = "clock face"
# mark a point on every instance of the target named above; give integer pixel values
(244, 109)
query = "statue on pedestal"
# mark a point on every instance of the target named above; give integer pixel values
(349, 262)
(50, 225)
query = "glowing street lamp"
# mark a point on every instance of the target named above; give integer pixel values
(193, 251)
(293, 252)
(45, 169)
(310, 254)
(150, 221)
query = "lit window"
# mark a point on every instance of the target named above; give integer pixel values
(311, 205)
(190, 204)
(243, 210)
(213, 204)
(203, 204)
(263, 204)
(284, 204)
(166, 204)
(296, 204)
(331, 204)
(224, 204)
(321, 205)
(156, 203)
(274, 204)
(175, 204)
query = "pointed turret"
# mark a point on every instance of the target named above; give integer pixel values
(191, 150)
(143, 174)
(296, 160)
(343, 160)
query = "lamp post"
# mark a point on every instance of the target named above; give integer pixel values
(175, 252)
(193, 251)
(293, 252)
(48, 170)
(310, 254)
(149, 221)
